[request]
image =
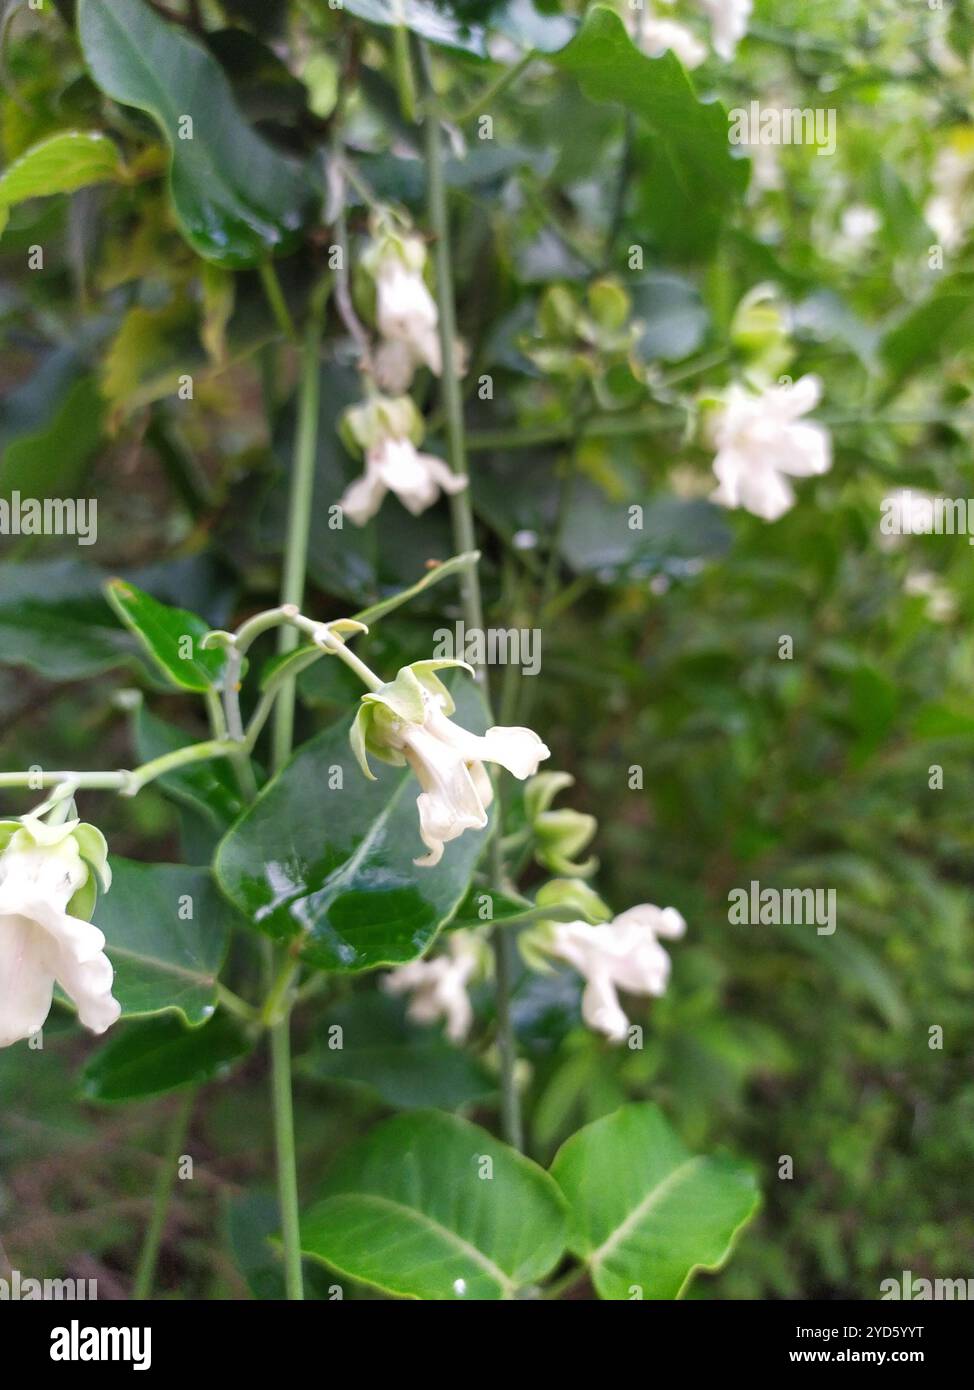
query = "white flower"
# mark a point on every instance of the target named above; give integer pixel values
(396, 465)
(621, 954)
(438, 985)
(760, 440)
(406, 722)
(42, 873)
(658, 36)
(406, 312)
(728, 24)
(388, 429)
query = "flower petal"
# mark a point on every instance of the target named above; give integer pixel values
(26, 982)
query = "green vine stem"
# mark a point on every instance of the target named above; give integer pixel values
(464, 540)
(149, 1254)
(292, 595)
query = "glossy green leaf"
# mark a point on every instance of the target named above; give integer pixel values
(166, 928)
(61, 164)
(416, 1209)
(691, 176)
(237, 199)
(645, 1212)
(324, 858)
(171, 636)
(425, 18)
(366, 1041)
(154, 1055)
(54, 619)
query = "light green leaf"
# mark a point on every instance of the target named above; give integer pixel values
(410, 1211)
(54, 619)
(171, 636)
(166, 930)
(237, 199)
(645, 1212)
(65, 162)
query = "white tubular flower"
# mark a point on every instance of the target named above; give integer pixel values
(622, 954)
(760, 440)
(658, 36)
(438, 985)
(388, 429)
(45, 871)
(405, 311)
(728, 24)
(406, 722)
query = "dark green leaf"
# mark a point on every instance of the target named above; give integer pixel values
(237, 199)
(324, 858)
(54, 619)
(166, 927)
(692, 180)
(208, 788)
(154, 1055)
(405, 1066)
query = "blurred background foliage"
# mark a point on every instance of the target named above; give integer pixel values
(661, 646)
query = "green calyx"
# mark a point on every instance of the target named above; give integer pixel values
(366, 425)
(31, 832)
(377, 729)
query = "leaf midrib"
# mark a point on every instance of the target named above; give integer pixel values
(423, 1219)
(646, 1205)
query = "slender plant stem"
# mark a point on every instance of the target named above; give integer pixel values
(292, 593)
(298, 529)
(149, 1254)
(481, 103)
(287, 1168)
(276, 300)
(464, 540)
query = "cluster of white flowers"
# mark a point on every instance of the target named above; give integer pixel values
(388, 429)
(406, 721)
(621, 954)
(657, 35)
(761, 440)
(46, 893)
